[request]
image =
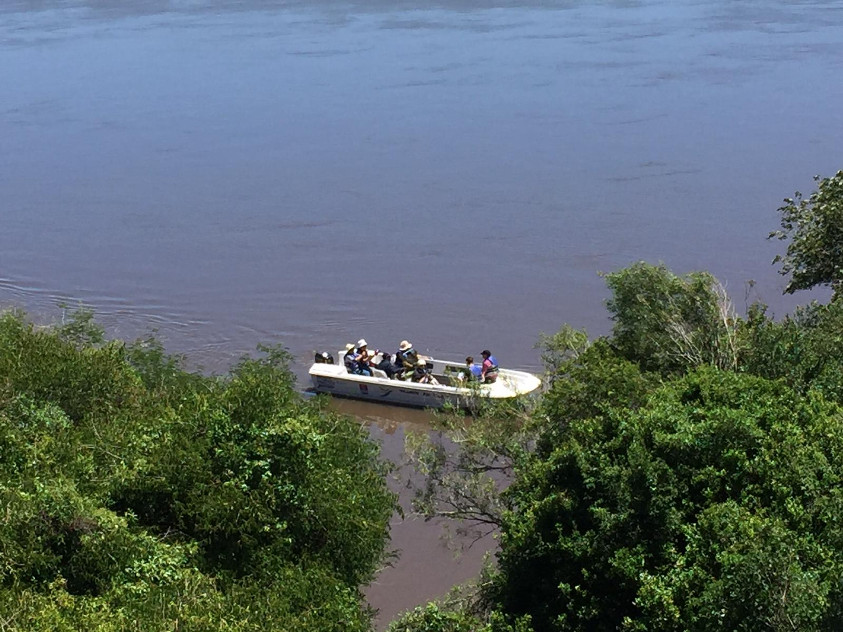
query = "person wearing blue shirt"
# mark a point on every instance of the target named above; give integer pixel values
(474, 369)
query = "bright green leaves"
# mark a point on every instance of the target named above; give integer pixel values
(805, 349)
(135, 495)
(668, 323)
(815, 229)
(706, 507)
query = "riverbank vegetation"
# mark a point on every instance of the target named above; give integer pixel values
(139, 496)
(684, 472)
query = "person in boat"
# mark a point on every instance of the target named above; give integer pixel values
(406, 358)
(349, 358)
(352, 362)
(473, 370)
(489, 368)
(422, 374)
(386, 365)
(364, 356)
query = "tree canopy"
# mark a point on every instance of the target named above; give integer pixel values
(138, 495)
(667, 323)
(682, 473)
(715, 505)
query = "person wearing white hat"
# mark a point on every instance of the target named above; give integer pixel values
(406, 358)
(363, 355)
(355, 362)
(349, 358)
(422, 374)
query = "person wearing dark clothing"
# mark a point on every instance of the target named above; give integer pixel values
(387, 366)
(349, 359)
(422, 374)
(352, 362)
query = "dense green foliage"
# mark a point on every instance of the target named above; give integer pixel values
(454, 616)
(815, 229)
(714, 505)
(668, 323)
(683, 473)
(137, 495)
(433, 618)
(673, 491)
(804, 350)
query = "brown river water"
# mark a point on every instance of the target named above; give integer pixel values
(227, 173)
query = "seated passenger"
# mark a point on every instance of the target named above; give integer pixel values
(422, 374)
(489, 371)
(473, 370)
(348, 358)
(365, 358)
(352, 362)
(406, 358)
(386, 365)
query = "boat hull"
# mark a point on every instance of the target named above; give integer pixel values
(334, 379)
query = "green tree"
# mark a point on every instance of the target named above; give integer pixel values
(681, 474)
(815, 229)
(138, 496)
(717, 505)
(804, 349)
(456, 614)
(588, 385)
(668, 323)
(433, 618)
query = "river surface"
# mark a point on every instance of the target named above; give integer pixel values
(227, 173)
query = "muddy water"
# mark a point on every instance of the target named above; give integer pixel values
(228, 173)
(432, 557)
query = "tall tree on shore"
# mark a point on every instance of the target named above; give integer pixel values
(814, 227)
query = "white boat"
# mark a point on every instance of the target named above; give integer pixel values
(450, 390)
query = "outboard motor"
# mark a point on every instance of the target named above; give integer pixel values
(323, 358)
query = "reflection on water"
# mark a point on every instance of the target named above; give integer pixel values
(388, 419)
(432, 557)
